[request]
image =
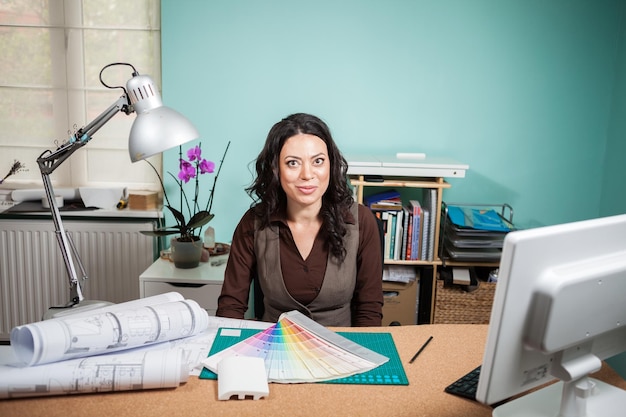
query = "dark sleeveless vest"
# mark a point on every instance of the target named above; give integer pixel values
(331, 307)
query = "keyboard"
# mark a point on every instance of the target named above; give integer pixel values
(466, 385)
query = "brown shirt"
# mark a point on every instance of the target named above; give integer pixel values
(305, 285)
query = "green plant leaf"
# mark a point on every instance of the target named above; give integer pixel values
(180, 218)
(200, 219)
(158, 233)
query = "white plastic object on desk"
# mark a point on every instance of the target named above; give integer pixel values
(243, 377)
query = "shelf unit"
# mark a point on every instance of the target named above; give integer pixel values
(427, 281)
(409, 170)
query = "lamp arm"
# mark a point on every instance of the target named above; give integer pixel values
(48, 162)
(64, 243)
(122, 104)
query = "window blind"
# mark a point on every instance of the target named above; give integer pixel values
(52, 54)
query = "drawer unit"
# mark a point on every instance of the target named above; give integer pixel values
(204, 294)
(202, 284)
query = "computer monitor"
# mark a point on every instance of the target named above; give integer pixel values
(559, 309)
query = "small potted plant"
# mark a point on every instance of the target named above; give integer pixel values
(186, 247)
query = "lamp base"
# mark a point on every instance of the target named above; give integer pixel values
(82, 307)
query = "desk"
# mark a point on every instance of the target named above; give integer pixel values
(454, 351)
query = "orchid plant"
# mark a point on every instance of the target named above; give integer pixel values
(190, 170)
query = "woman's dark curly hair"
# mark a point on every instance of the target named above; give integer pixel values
(270, 196)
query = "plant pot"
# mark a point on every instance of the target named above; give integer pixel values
(186, 255)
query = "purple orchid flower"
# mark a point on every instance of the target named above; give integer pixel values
(195, 153)
(187, 171)
(206, 167)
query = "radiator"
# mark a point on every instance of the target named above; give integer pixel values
(33, 276)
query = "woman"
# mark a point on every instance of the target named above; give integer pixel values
(308, 244)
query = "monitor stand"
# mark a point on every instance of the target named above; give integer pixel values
(602, 400)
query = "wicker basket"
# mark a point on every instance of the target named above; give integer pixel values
(455, 305)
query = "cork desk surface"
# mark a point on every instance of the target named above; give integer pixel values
(454, 350)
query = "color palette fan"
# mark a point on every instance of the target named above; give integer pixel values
(297, 349)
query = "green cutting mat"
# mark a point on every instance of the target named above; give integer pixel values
(389, 373)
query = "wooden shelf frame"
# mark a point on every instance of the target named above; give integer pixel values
(359, 183)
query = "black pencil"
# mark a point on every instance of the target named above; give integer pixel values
(422, 348)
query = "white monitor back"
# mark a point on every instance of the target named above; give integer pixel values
(521, 347)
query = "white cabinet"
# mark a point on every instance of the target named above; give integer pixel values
(202, 284)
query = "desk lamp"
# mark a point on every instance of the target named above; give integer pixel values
(156, 129)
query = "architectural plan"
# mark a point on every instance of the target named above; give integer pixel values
(106, 330)
(132, 370)
(173, 336)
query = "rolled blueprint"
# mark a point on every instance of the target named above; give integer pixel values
(133, 370)
(128, 305)
(107, 330)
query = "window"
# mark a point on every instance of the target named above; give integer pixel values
(52, 54)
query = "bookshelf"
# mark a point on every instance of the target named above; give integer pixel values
(423, 173)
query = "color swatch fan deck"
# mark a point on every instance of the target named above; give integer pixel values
(297, 349)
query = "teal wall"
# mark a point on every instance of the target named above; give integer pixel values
(613, 199)
(529, 93)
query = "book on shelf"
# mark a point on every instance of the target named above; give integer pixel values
(387, 197)
(425, 234)
(392, 235)
(405, 233)
(393, 232)
(386, 205)
(386, 219)
(433, 224)
(409, 234)
(430, 201)
(410, 228)
(416, 209)
(397, 249)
